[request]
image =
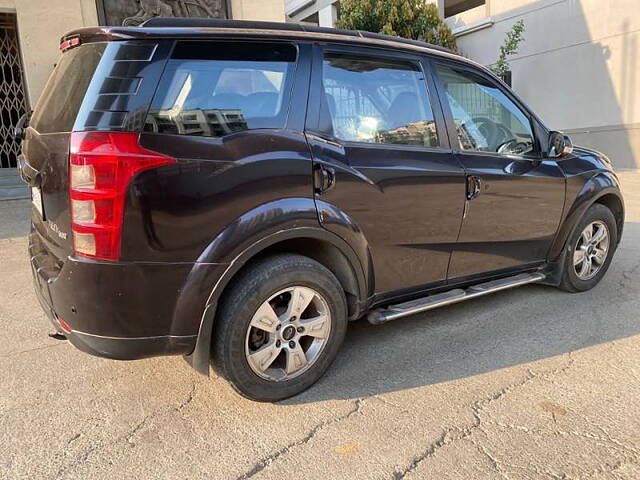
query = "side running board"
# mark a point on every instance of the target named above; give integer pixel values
(393, 312)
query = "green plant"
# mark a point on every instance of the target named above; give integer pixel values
(510, 47)
(414, 19)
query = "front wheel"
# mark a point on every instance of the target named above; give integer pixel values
(590, 249)
(279, 327)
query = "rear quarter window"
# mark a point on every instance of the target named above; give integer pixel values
(215, 88)
(64, 92)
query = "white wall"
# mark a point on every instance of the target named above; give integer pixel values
(327, 16)
(267, 10)
(577, 68)
(311, 7)
(41, 23)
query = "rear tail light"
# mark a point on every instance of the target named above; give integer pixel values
(102, 165)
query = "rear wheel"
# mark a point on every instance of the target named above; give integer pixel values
(590, 250)
(279, 327)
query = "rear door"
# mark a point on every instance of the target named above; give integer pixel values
(377, 128)
(515, 194)
(95, 86)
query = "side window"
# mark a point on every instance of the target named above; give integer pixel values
(215, 88)
(486, 120)
(377, 100)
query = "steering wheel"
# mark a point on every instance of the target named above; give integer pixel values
(494, 133)
(514, 147)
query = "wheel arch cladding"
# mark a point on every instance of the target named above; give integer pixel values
(614, 203)
(604, 188)
(326, 248)
(328, 255)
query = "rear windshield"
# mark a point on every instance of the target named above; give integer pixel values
(215, 88)
(60, 101)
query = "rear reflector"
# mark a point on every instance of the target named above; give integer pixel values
(63, 325)
(102, 166)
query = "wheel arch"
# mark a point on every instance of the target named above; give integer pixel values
(614, 203)
(602, 188)
(327, 254)
(315, 242)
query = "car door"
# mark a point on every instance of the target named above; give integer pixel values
(376, 128)
(515, 195)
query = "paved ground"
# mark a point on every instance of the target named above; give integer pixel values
(530, 383)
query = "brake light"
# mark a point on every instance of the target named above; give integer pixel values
(102, 165)
(69, 43)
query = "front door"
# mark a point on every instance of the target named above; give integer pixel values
(515, 195)
(378, 125)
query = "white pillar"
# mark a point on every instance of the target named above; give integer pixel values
(327, 16)
(440, 4)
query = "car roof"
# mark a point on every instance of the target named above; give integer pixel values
(200, 28)
(165, 22)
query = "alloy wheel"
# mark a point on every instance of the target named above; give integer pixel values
(591, 250)
(287, 333)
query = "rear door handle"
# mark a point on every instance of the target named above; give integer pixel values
(325, 178)
(474, 185)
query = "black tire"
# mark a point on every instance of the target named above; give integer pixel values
(254, 286)
(570, 281)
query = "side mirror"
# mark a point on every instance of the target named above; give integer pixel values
(559, 145)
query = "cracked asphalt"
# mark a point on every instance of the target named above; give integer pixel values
(528, 383)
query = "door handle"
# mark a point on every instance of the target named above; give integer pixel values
(325, 178)
(474, 185)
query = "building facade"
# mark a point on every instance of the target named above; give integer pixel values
(318, 12)
(30, 32)
(577, 67)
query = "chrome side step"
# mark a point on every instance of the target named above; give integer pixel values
(393, 312)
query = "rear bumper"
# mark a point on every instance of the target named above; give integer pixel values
(120, 348)
(122, 310)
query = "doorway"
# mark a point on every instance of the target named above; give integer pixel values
(13, 99)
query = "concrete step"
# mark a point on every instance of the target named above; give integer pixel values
(10, 180)
(13, 192)
(11, 186)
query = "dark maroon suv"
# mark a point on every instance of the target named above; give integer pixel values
(237, 192)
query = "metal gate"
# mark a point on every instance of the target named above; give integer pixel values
(13, 101)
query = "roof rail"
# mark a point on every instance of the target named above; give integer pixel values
(184, 22)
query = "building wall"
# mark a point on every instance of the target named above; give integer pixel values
(267, 10)
(299, 10)
(41, 23)
(577, 67)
